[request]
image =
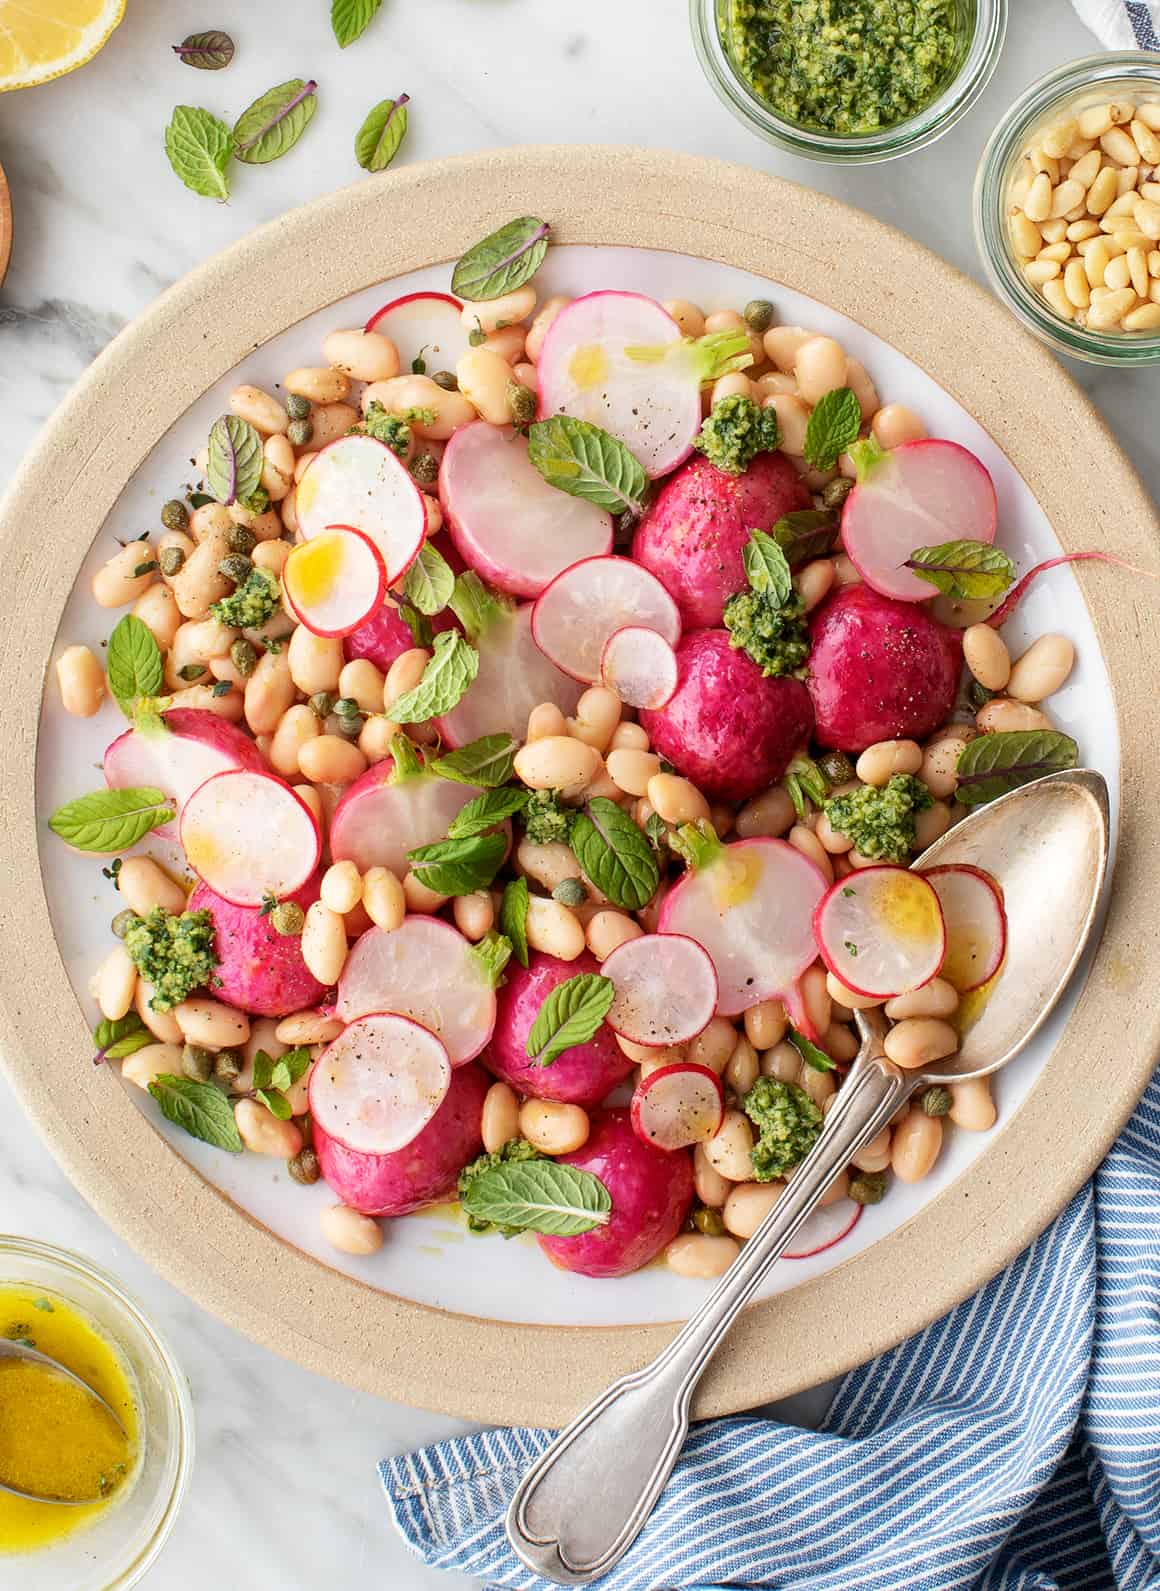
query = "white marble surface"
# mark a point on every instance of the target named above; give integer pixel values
(285, 1493)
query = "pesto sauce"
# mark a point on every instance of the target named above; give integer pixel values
(843, 66)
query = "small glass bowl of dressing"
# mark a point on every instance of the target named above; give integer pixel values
(962, 71)
(1046, 292)
(70, 1310)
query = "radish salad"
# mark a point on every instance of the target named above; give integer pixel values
(532, 717)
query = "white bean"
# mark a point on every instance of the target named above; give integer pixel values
(81, 680)
(350, 1231)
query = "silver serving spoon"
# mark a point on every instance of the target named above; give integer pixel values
(19, 1350)
(583, 1502)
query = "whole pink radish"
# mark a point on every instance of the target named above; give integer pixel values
(422, 1172)
(879, 670)
(192, 746)
(584, 1074)
(381, 638)
(726, 727)
(258, 969)
(651, 1190)
(692, 536)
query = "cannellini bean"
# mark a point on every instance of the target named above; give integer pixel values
(765, 1024)
(676, 800)
(815, 996)
(644, 1054)
(931, 825)
(508, 343)
(985, 654)
(375, 739)
(365, 355)
(781, 345)
(319, 383)
(162, 1024)
(404, 674)
(814, 582)
(729, 1151)
(271, 555)
(491, 314)
(421, 898)
(843, 996)
(324, 942)
(863, 388)
(199, 582)
(741, 1069)
(118, 582)
(769, 814)
(880, 762)
(542, 324)
(216, 1026)
(296, 726)
(831, 841)
(361, 681)
(940, 763)
(558, 762)
(483, 377)
(209, 520)
(818, 1085)
(81, 680)
(269, 692)
(144, 885)
(474, 915)
(553, 1128)
(307, 1027)
(793, 417)
(597, 715)
(632, 770)
(277, 466)
(330, 421)
(553, 929)
(710, 1186)
(262, 411)
(263, 1133)
(607, 929)
(501, 1117)
(1042, 669)
(546, 720)
(158, 611)
(820, 366)
(316, 661)
(915, 1145)
(748, 1204)
(628, 736)
(895, 425)
(549, 864)
(150, 1062)
(350, 1231)
(918, 1041)
(688, 317)
(1002, 715)
(329, 759)
(116, 983)
(806, 841)
(971, 1104)
(311, 798)
(935, 999)
(451, 409)
(874, 1156)
(700, 1256)
(383, 898)
(714, 1045)
(342, 887)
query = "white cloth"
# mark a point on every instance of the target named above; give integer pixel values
(1122, 24)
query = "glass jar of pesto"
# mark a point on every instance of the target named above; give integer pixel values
(849, 80)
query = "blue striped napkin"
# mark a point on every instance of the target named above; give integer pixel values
(1012, 1446)
(1122, 24)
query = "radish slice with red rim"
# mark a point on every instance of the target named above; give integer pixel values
(976, 924)
(918, 495)
(514, 677)
(426, 325)
(640, 666)
(249, 836)
(880, 930)
(514, 529)
(823, 1229)
(666, 989)
(335, 582)
(576, 616)
(359, 483)
(425, 970)
(678, 1105)
(379, 1083)
(190, 746)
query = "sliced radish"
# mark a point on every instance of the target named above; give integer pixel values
(976, 924)
(575, 617)
(380, 818)
(507, 522)
(425, 970)
(640, 666)
(666, 989)
(335, 582)
(357, 482)
(379, 1084)
(426, 325)
(514, 676)
(823, 1229)
(919, 495)
(880, 931)
(249, 836)
(751, 906)
(678, 1105)
(192, 746)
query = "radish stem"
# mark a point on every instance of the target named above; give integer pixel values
(1011, 601)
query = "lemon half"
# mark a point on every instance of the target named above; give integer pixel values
(43, 39)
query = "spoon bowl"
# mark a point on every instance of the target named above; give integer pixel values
(11, 1351)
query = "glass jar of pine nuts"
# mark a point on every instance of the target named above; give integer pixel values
(1070, 236)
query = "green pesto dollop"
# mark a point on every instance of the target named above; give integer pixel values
(735, 432)
(254, 601)
(880, 821)
(777, 638)
(788, 1123)
(843, 66)
(515, 1149)
(175, 953)
(546, 820)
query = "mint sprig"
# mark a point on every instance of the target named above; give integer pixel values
(446, 680)
(199, 147)
(108, 821)
(832, 427)
(572, 1014)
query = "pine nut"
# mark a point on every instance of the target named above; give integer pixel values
(1094, 121)
(1110, 311)
(1047, 164)
(1055, 230)
(1144, 318)
(1079, 230)
(1146, 214)
(1146, 142)
(1117, 274)
(1087, 169)
(1066, 197)
(1057, 140)
(1075, 285)
(1037, 204)
(1040, 271)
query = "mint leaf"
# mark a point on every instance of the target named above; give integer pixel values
(487, 762)
(615, 855)
(584, 461)
(199, 149)
(570, 1015)
(474, 605)
(419, 625)
(263, 1069)
(234, 459)
(121, 1037)
(832, 427)
(445, 681)
(200, 1109)
(208, 51)
(513, 917)
(133, 665)
(806, 533)
(351, 18)
(429, 582)
(766, 567)
(274, 123)
(111, 820)
(810, 1053)
(502, 261)
(459, 867)
(994, 764)
(275, 1102)
(969, 571)
(539, 1196)
(487, 810)
(385, 126)
(290, 1067)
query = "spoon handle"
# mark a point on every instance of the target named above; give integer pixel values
(586, 1498)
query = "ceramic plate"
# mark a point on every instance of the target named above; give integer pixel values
(439, 1317)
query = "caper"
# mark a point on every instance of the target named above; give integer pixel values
(236, 567)
(348, 728)
(936, 1101)
(298, 408)
(242, 540)
(171, 561)
(570, 892)
(191, 672)
(521, 402)
(227, 1066)
(425, 468)
(175, 515)
(868, 1187)
(708, 1221)
(321, 704)
(759, 315)
(978, 695)
(287, 918)
(304, 1167)
(122, 922)
(299, 432)
(447, 379)
(836, 768)
(477, 337)
(244, 656)
(197, 1063)
(835, 492)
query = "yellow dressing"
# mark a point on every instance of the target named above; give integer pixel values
(904, 911)
(316, 568)
(201, 849)
(588, 367)
(52, 1437)
(305, 493)
(972, 1005)
(734, 879)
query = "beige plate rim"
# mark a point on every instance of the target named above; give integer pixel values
(383, 228)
